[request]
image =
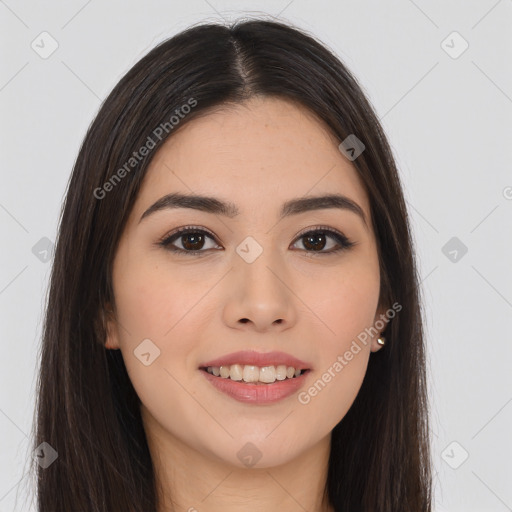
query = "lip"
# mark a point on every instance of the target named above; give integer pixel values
(255, 393)
(251, 357)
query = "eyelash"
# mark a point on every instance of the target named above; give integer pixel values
(343, 242)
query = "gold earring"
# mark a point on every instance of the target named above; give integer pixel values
(381, 340)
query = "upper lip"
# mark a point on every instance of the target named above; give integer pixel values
(251, 357)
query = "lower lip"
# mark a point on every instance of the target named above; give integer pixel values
(257, 393)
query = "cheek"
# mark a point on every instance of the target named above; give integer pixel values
(346, 302)
(157, 308)
(152, 303)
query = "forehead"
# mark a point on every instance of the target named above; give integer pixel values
(258, 153)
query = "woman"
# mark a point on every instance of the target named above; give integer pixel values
(234, 320)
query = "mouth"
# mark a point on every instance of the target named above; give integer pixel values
(244, 384)
(254, 375)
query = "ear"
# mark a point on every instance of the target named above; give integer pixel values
(380, 322)
(109, 321)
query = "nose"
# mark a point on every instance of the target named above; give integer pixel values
(258, 296)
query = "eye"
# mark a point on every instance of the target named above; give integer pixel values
(315, 240)
(193, 239)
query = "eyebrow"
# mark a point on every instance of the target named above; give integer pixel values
(219, 207)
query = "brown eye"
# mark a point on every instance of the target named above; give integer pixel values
(192, 240)
(315, 241)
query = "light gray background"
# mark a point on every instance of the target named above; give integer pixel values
(449, 123)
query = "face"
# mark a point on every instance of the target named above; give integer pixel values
(254, 281)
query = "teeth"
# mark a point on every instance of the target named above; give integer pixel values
(235, 372)
(251, 374)
(266, 374)
(255, 374)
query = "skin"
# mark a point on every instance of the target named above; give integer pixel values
(257, 155)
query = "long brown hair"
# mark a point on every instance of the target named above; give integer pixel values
(87, 409)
